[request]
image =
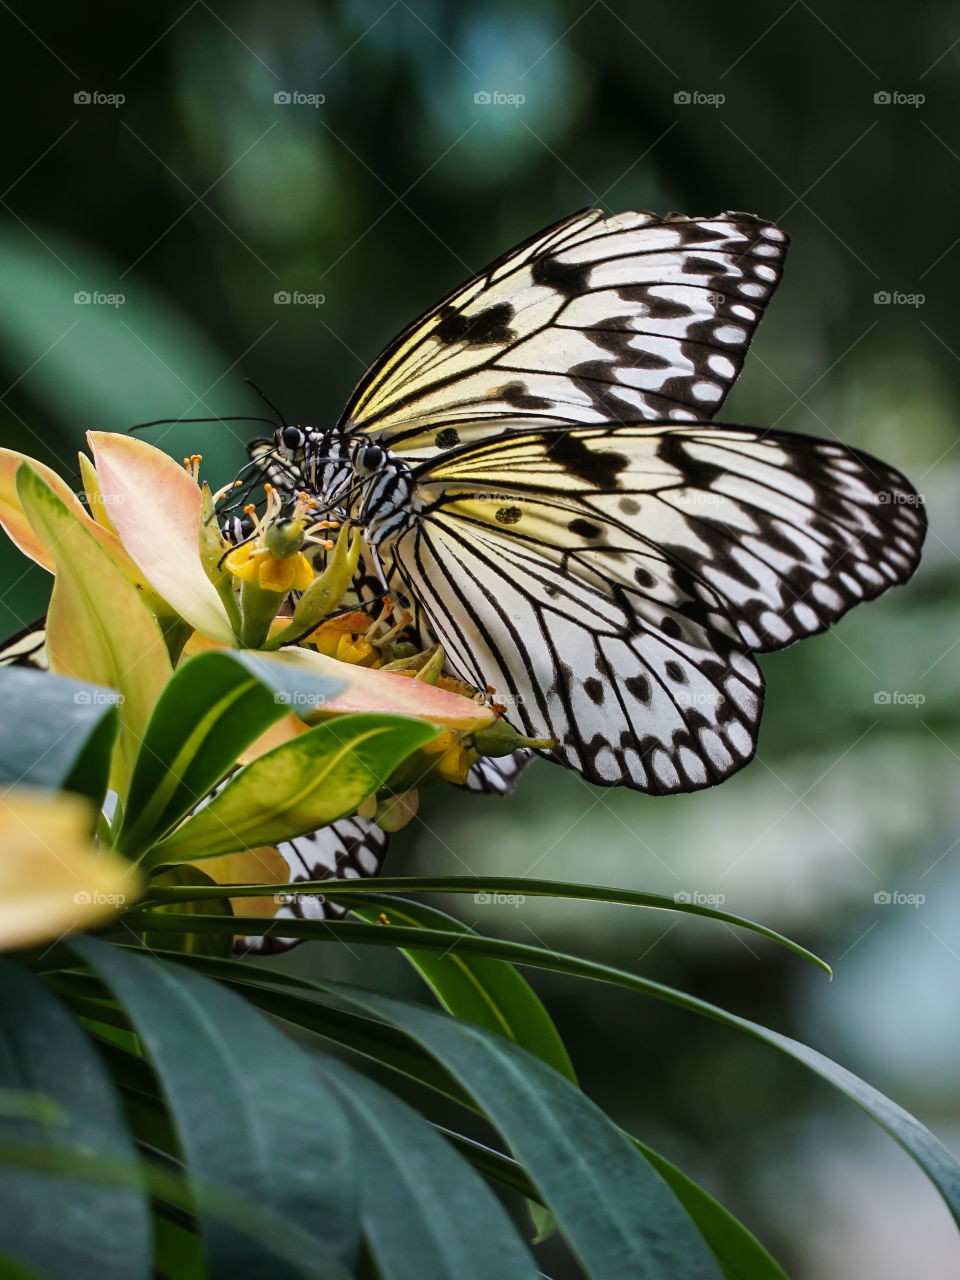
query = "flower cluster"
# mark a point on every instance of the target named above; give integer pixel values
(146, 584)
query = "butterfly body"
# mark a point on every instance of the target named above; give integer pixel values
(536, 473)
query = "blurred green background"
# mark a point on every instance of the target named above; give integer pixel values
(200, 196)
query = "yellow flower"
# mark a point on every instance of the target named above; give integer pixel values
(250, 563)
(53, 881)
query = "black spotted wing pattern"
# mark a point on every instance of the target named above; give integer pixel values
(349, 849)
(595, 319)
(613, 583)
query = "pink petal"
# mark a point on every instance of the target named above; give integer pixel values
(155, 507)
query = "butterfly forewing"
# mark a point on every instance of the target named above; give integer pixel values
(595, 320)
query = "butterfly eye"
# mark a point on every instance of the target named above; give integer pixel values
(292, 437)
(372, 457)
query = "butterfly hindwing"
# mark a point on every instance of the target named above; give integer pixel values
(349, 849)
(612, 582)
(596, 319)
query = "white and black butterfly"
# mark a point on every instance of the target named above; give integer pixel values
(533, 467)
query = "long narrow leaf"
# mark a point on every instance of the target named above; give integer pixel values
(426, 1213)
(102, 1231)
(240, 1094)
(932, 1156)
(488, 992)
(489, 886)
(740, 1255)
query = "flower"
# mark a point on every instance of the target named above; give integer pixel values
(53, 880)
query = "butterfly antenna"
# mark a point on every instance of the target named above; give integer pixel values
(266, 399)
(173, 422)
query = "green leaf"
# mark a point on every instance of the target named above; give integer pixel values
(487, 992)
(98, 628)
(100, 1232)
(250, 1109)
(285, 1238)
(617, 1214)
(507, 885)
(213, 708)
(297, 787)
(56, 732)
(208, 944)
(740, 1254)
(932, 1156)
(426, 1214)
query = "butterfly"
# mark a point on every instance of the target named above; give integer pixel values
(538, 478)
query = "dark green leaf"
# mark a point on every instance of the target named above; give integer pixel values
(932, 1156)
(208, 944)
(426, 1214)
(56, 732)
(251, 1112)
(213, 708)
(493, 885)
(740, 1254)
(617, 1214)
(101, 1231)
